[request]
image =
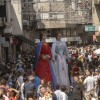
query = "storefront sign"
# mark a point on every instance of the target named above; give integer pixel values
(67, 39)
(70, 39)
(89, 28)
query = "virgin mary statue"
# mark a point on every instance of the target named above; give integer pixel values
(43, 62)
(60, 54)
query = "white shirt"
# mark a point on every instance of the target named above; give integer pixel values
(90, 57)
(41, 98)
(93, 99)
(57, 92)
(22, 92)
(6, 98)
(95, 82)
(96, 79)
(89, 83)
(63, 96)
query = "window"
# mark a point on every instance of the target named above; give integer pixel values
(30, 0)
(1, 22)
(2, 2)
(73, 32)
(2, 11)
(64, 32)
(60, 16)
(52, 16)
(68, 31)
(43, 0)
(44, 16)
(59, 0)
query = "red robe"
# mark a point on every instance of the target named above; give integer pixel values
(43, 66)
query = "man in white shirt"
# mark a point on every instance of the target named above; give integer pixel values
(63, 95)
(89, 85)
(57, 92)
(90, 57)
(90, 62)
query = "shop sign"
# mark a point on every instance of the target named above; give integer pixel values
(89, 28)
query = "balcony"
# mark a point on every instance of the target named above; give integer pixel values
(96, 2)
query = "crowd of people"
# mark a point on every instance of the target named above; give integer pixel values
(44, 75)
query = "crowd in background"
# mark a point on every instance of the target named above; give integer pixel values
(18, 80)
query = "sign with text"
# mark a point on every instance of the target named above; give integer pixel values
(89, 28)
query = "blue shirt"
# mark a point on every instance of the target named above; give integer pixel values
(29, 87)
(37, 82)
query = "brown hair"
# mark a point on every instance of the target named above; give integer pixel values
(58, 34)
(41, 35)
(3, 82)
(63, 88)
(42, 86)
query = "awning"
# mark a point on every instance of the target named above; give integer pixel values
(28, 41)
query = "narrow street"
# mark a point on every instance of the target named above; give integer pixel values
(49, 49)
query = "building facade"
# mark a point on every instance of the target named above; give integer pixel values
(63, 16)
(3, 40)
(14, 37)
(96, 17)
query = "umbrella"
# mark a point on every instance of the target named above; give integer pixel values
(97, 51)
